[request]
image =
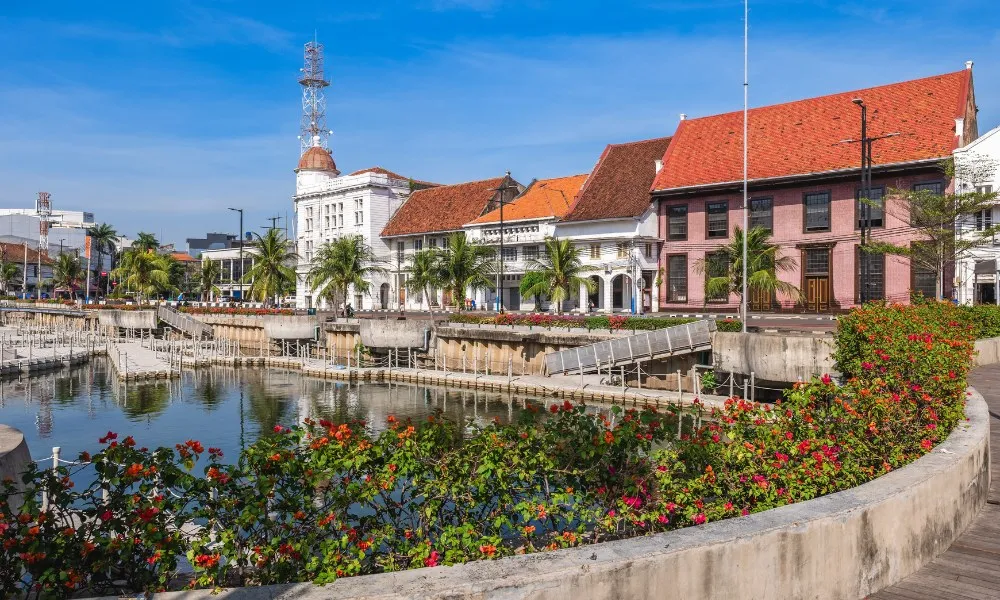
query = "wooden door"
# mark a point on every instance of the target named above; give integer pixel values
(818, 294)
(760, 300)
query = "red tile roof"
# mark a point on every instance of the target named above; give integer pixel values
(15, 253)
(316, 159)
(183, 257)
(442, 208)
(381, 171)
(619, 185)
(543, 198)
(806, 136)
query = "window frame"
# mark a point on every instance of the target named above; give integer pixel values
(708, 263)
(534, 252)
(668, 270)
(857, 208)
(510, 250)
(805, 211)
(687, 213)
(622, 250)
(708, 219)
(914, 273)
(770, 211)
(595, 251)
(857, 273)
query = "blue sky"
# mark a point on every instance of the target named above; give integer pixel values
(159, 115)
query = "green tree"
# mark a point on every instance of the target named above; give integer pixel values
(466, 264)
(272, 274)
(723, 268)
(425, 274)
(9, 272)
(104, 240)
(67, 273)
(560, 272)
(530, 281)
(948, 223)
(344, 262)
(208, 275)
(145, 273)
(146, 241)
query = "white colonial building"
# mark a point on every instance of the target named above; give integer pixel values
(329, 205)
(977, 168)
(616, 228)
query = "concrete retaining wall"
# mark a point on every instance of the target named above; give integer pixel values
(845, 545)
(290, 328)
(782, 358)
(394, 333)
(14, 458)
(128, 319)
(988, 351)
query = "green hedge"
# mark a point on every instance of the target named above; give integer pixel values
(593, 322)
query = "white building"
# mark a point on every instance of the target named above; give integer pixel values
(978, 169)
(329, 205)
(426, 220)
(528, 221)
(616, 227)
(231, 270)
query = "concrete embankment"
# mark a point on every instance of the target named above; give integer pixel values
(14, 459)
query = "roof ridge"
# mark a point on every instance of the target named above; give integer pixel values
(822, 96)
(443, 185)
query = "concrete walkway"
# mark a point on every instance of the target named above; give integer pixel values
(970, 568)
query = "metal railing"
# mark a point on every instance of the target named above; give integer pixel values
(189, 325)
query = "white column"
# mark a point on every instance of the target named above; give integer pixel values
(607, 279)
(584, 298)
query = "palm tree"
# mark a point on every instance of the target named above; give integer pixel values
(145, 273)
(208, 275)
(346, 261)
(67, 273)
(9, 271)
(466, 265)
(529, 281)
(271, 275)
(104, 238)
(146, 241)
(724, 268)
(560, 272)
(425, 273)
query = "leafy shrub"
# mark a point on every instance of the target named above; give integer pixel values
(602, 322)
(332, 500)
(730, 325)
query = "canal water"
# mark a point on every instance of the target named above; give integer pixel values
(222, 407)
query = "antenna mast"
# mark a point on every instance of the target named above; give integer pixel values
(43, 208)
(312, 130)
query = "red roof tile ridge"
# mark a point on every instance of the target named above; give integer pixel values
(604, 155)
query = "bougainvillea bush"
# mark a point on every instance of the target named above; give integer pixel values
(605, 322)
(330, 500)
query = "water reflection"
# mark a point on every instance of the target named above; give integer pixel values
(224, 407)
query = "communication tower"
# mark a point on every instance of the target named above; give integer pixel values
(43, 208)
(313, 131)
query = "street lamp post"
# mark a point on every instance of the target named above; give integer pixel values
(240, 236)
(503, 193)
(863, 200)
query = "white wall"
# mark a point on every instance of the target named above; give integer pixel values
(983, 151)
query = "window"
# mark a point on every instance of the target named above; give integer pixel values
(817, 206)
(622, 249)
(400, 249)
(677, 222)
(509, 253)
(984, 219)
(595, 251)
(648, 250)
(923, 270)
(677, 278)
(418, 245)
(716, 266)
(817, 261)
(326, 221)
(762, 213)
(717, 220)
(934, 187)
(432, 242)
(531, 253)
(875, 206)
(875, 264)
(359, 211)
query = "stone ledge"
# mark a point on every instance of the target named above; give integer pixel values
(845, 545)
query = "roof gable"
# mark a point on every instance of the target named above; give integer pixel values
(619, 186)
(442, 208)
(808, 136)
(544, 198)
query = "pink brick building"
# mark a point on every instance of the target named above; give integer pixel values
(804, 179)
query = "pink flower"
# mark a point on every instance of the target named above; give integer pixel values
(826, 379)
(699, 519)
(632, 501)
(663, 519)
(432, 560)
(867, 366)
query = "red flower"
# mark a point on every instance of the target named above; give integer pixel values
(110, 436)
(927, 445)
(432, 560)
(106, 516)
(826, 379)
(206, 561)
(699, 519)
(554, 408)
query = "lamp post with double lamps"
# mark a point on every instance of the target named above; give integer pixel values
(240, 236)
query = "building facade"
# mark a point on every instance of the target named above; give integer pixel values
(329, 205)
(978, 170)
(804, 187)
(231, 270)
(426, 220)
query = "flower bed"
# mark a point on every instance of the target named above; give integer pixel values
(603, 322)
(332, 500)
(225, 310)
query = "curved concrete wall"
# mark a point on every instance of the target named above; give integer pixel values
(988, 351)
(845, 545)
(14, 458)
(784, 358)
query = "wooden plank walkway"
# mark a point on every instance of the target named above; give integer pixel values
(970, 569)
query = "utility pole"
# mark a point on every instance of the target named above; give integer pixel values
(240, 210)
(503, 194)
(746, 147)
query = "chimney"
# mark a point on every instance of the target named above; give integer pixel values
(684, 117)
(968, 65)
(658, 164)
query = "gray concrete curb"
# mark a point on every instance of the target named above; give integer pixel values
(845, 545)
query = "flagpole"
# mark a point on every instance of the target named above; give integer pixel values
(87, 294)
(746, 144)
